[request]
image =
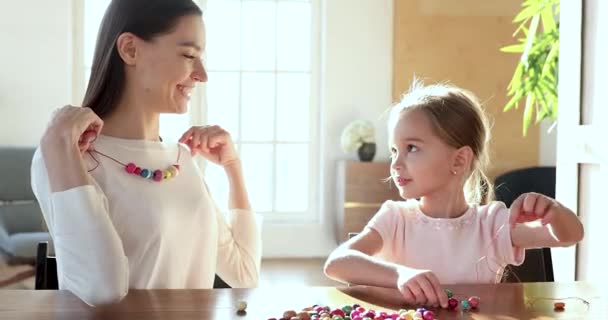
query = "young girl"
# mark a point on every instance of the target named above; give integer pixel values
(452, 234)
(125, 209)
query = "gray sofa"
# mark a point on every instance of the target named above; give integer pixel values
(21, 223)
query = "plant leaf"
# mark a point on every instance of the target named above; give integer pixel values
(528, 111)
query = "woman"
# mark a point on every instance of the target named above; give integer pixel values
(124, 208)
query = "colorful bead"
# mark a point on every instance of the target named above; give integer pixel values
(174, 171)
(474, 302)
(465, 305)
(428, 315)
(449, 293)
(158, 175)
(130, 167)
(559, 306)
(145, 173)
(452, 303)
(241, 305)
(166, 174)
(137, 171)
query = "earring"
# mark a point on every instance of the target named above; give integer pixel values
(454, 172)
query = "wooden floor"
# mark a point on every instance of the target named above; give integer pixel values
(303, 272)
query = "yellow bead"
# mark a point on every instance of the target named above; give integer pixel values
(167, 174)
(173, 171)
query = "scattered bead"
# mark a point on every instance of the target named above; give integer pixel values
(452, 303)
(241, 306)
(559, 306)
(428, 315)
(449, 293)
(464, 304)
(289, 314)
(474, 302)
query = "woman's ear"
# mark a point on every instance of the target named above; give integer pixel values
(463, 158)
(126, 47)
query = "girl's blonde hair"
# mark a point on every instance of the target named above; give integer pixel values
(457, 118)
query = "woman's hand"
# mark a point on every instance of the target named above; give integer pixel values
(72, 126)
(212, 142)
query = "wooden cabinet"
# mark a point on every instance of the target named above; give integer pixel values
(362, 188)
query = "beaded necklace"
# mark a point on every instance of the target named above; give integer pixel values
(157, 175)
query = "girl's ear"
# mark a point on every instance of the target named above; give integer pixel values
(463, 158)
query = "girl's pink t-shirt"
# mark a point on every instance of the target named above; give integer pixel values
(473, 248)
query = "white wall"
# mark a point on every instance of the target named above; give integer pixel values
(35, 66)
(547, 155)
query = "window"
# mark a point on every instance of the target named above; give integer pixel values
(262, 58)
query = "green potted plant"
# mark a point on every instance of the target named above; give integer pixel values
(535, 78)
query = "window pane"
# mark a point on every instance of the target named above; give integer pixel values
(223, 26)
(293, 107)
(218, 185)
(292, 177)
(93, 13)
(294, 36)
(173, 126)
(258, 107)
(259, 35)
(223, 101)
(258, 162)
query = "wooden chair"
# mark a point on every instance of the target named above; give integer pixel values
(538, 266)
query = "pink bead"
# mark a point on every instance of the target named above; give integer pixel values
(158, 175)
(338, 312)
(428, 315)
(137, 171)
(474, 302)
(130, 167)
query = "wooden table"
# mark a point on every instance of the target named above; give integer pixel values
(504, 301)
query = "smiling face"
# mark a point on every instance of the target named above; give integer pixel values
(168, 67)
(420, 161)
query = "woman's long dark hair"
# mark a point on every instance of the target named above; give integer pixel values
(145, 19)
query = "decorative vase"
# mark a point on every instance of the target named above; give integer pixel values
(367, 151)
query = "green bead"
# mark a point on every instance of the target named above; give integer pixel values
(465, 304)
(449, 293)
(347, 309)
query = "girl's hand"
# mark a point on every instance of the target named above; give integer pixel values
(212, 142)
(421, 287)
(533, 206)
(75, 126)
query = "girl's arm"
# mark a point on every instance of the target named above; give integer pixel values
(539, 221)
(353, 262)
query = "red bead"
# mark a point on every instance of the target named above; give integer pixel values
(137, 171)
(130, 167)
(559, 306)
(474, 302)
(452, 303)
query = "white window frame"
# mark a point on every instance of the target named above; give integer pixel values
(198, 111)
